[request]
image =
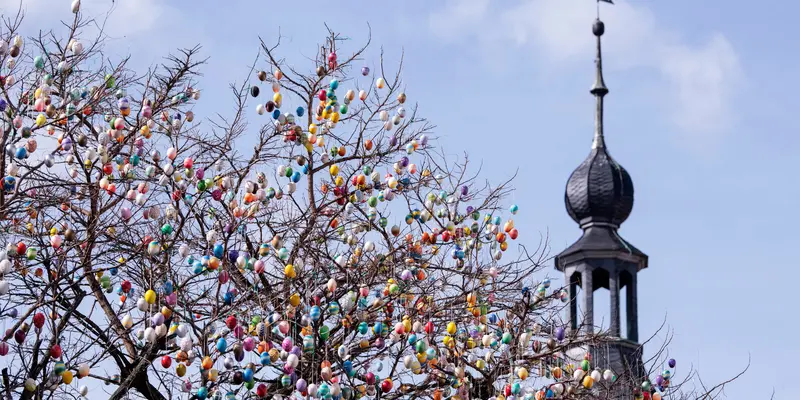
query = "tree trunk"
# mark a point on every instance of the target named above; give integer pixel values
(143, 386)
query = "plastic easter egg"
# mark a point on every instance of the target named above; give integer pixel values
(315, 313)
(608, 375)
(83, 370)
(324, 332)
(247, 374)
(127, 321)
(380, 83)
(451, 328)
(289, 271)
(150, 296)
(386, 385)
(596, 375)
(222, 345)
(59, 368)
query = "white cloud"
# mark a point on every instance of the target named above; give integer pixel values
(699, 78)
(128, 17)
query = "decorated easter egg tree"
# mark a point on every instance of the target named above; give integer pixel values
(314, 242)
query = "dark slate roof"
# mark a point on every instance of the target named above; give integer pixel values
(599, 190)
(602, 239)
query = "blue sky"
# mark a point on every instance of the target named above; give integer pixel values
(701, 113)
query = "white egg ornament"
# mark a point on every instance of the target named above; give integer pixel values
(127, 321)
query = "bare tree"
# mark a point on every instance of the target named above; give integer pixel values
(331, 251)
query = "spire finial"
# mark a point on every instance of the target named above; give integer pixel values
(599, 89)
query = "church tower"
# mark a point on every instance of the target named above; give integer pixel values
(599, 197)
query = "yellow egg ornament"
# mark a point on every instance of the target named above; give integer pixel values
(380, 83)
(150, 296)
(451, 328)
(588, 382)
(66, 377)
(289, 271)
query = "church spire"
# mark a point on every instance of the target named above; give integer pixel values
(599, 191)
(599, 89)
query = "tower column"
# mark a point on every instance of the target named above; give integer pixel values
(613, 287)
(588, 300)
(633, 314)
(572, 310)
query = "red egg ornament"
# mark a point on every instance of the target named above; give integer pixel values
(446, 236)
(55, 351)
(261, 390)
(38, 320)
(386, 385)
(166, 361)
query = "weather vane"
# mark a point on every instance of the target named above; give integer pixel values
(598, 5)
